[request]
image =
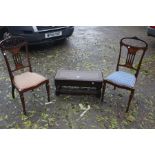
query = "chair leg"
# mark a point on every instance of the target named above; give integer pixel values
(103, 91)
(23, 102)
(13, 91)
(130, 98)
(48, 90)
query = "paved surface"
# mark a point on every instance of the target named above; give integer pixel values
(90, 48)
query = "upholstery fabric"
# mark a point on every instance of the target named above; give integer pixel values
(27, 80)
(122, 78)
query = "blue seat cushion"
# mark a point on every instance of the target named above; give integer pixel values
(122, 79)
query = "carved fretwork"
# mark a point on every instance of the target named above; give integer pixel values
(133, 45)
(130, 56)
(18, 61)
(12, 43)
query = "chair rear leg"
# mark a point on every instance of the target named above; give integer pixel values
(13, 91)
(48, 90)
(23, 102)
(130, 98)
(103, 91)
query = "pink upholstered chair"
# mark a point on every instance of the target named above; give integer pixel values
(26, 80)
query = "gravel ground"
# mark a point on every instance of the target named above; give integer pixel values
(89, 48)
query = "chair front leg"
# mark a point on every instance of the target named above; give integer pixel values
(48, 90)
(23, 102)
(103, 91)
(130, 98)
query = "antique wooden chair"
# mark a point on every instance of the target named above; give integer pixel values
(26, 80)
(132, 46)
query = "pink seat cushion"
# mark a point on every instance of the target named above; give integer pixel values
(27, 80)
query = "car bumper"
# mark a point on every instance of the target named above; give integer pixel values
(39, 37)
(151, 32)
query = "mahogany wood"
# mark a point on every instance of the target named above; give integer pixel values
(132, 51)
(14, 45)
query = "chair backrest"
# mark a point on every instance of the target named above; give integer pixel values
(133, 46)
(14, 45)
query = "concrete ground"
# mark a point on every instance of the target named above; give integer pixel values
(89, 48)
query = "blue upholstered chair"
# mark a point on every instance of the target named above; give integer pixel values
(124, 79)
